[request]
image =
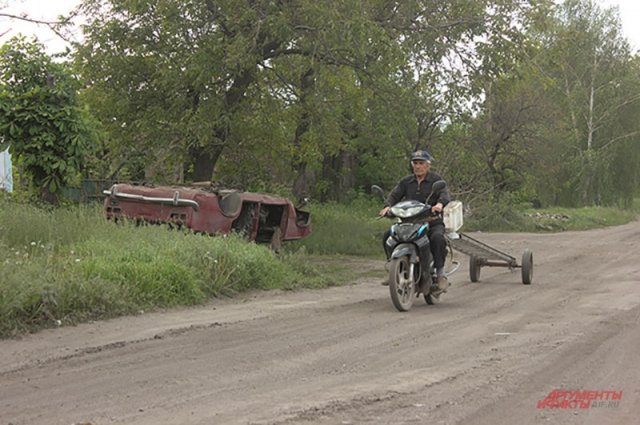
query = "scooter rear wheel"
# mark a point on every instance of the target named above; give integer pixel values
(401, 284)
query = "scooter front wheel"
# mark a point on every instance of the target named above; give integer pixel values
(401, 284)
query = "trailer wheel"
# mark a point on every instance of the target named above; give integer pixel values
(474, 268)
(527, 267)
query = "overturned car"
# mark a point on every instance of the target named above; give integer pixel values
(259, 217)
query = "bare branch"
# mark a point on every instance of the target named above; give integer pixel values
(619, 138)
(52, 25)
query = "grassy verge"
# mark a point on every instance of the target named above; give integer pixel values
(70, 265)
(512, 219)
(353, 229)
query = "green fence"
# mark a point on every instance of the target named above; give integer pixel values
(88, 191)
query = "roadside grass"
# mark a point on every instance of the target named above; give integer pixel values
(69, 265)
(553, 219)
(562, 219)
(345, 229)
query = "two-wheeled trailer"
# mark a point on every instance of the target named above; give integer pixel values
(482, 255)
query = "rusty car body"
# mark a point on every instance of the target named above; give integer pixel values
(259, 217)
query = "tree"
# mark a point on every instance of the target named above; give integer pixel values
(40, 117)
(170, 78)
(557, 116)
(327, 96)
(597, 84)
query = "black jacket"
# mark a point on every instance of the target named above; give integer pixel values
(408, 189)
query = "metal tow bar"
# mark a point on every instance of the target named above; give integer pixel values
(482, 255)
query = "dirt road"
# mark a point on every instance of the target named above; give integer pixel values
(487, 354)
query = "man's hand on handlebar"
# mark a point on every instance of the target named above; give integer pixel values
(383, 212)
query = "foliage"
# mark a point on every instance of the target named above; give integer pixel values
(517, 100)
(586, 70)
(40, 117)
(325, 96)
(332, 221)
(556, 124)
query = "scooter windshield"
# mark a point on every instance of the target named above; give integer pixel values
(406, 209)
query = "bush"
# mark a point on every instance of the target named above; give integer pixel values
(346, 229)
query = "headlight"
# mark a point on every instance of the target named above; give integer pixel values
(404, 232)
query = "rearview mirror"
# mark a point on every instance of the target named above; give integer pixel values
(438, 186)
(377, 191)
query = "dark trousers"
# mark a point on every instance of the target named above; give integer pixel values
(437, 243)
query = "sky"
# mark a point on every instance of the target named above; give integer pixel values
(43, 10)
(50, 9)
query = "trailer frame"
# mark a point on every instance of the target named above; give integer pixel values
(483, 255)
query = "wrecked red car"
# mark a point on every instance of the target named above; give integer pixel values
(259, 217)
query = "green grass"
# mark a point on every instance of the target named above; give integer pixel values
(561, 219)
(511, 219)
(353, 229)
(69, 265)
(72, 265)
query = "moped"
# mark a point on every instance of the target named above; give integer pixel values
(407, 238)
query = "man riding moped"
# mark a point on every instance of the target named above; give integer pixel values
(418, 187)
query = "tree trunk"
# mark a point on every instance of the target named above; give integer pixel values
(49, 197)
(46, 196)
(204, 158)
(301, 185)
(204, 161)
(592, 95)
(338, 171)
